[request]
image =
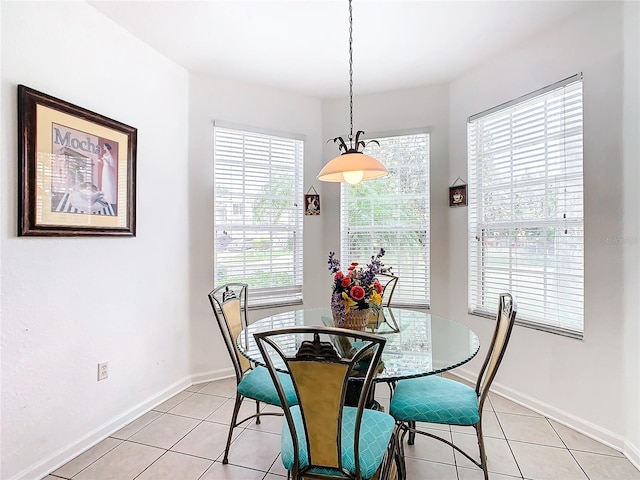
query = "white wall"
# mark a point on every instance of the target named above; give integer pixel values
(578, 382)
(258, 107)
(631, 235)
(69, 303)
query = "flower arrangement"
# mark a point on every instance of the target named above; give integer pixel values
(358, 289)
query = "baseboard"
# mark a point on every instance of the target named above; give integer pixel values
(212, 375)
(72, 450)
(578, 424)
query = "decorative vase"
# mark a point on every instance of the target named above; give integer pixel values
(353, 319)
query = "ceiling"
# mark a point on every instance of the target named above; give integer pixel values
(303, 45)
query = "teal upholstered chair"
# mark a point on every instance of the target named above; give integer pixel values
(229, 303)
(321, 437)
(435, 399)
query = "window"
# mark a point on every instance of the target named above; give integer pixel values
(258, 223)
(393, 213)
(526, 222)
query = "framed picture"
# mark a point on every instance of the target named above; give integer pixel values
(77, 172)
(458, 196)
(312, 202)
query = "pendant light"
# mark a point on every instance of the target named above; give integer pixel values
(352, 166)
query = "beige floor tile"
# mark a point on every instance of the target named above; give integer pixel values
(207, 440)
(419, 469)
(577, 441)
(222, 388)
(529, 429)
(138, 424)
(501, 404)
(499, 456)
(197, 387)
(541, 462)
(277, 468)
(223, 413)
(477, 474)
(173, 401)
(218, 471)
(268, 424)
(125, 462)
(271, 476)
(490, 426)
(605, 467)
(198, 406)
(432, 426)
(172, 466)
(85, 459)
(253, 449)
(427, 448)
(165, 432)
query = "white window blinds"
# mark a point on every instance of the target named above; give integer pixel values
(526, 222)
(258, 222)
(392, 213)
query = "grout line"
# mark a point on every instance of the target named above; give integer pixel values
(504, 434)
(568, 449)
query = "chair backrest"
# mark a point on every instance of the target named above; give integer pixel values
(320, 376)
(229, 304)
(389, 283)
(507, 309)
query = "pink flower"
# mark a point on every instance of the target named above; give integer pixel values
(338, 276)
(357, 293)
(377, 286)
(346, 281)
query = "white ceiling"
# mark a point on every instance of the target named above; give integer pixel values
(303, 45)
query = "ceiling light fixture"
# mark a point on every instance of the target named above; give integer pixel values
(352, 166)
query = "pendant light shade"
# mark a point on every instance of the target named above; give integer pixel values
(352, 166)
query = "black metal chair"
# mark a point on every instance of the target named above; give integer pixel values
(434, 399)
(322, 437)
(229, 304)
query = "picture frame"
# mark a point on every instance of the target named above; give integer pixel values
(312, 202)
(77, 170)
(458, 196)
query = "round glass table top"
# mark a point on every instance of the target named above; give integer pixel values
(418, 343)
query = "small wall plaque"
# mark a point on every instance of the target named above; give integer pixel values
(458, 193)
(312, 202)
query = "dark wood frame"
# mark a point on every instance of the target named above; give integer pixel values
(34, 191)
(308, 199)
(458, 189)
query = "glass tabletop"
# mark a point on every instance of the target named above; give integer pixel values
(418, 343)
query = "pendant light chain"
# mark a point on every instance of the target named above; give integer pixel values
(350, 75)
(351, 166)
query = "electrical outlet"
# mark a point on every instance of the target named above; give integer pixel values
(103, 370)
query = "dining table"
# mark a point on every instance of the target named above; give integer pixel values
(418, 343)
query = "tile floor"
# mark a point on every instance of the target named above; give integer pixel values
(184, 439)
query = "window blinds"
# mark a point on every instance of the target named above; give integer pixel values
(258, 223)
(393, 213)
(526, 225)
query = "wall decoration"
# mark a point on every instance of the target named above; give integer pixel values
(77, 170)
(458, 193)
(312, 202)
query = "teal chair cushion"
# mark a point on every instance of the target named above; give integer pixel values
(434, 399)
(257, 384)
(375, 433)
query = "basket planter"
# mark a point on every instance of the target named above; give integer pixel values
(353, 319)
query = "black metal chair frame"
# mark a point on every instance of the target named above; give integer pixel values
(324, 351)
(507, 309)
(219, 297)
